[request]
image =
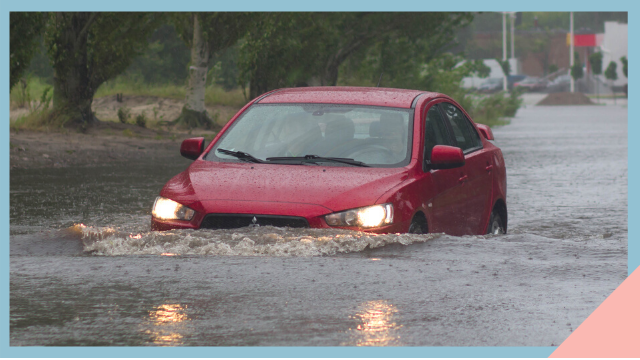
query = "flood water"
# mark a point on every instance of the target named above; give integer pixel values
(86, 270)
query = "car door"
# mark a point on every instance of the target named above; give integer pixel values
(475, 175)
(443, 191)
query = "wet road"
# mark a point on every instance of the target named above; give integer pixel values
(110, 281)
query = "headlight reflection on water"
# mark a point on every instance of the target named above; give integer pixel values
(377, 325)
(168, 324)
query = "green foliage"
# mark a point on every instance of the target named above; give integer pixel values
(595, 60)
(505, 65)
(25, 29)
(553, 68)
(492, 110)
(124, 113)
(87, 49)
(22, 97)
(624, 62)
(577, 72)
(289, 49)
(224, 69)
(141, 120)
(219, 29)
(165, 60)
(611, 73)
(45, 99)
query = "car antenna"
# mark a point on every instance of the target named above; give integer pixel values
(380, 79)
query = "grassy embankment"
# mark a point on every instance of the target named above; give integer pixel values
(35, 100)
(493, 110)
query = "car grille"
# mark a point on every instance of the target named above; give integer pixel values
(233, 221)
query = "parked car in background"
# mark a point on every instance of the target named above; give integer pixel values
(531, 83)
(512, 79)
(367, 159)
(560, 84)
(491, 85)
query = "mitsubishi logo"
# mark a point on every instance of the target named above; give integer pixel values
(254, 220)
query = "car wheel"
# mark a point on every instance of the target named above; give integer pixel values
(496, 225)
(418, 226)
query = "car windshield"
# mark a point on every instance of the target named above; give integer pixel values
(375, 136)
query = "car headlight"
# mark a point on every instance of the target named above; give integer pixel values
(366, 217)
(166, 209)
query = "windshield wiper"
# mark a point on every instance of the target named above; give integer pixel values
(316, 158)
(241, 155)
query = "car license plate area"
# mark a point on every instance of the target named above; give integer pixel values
(233, 221)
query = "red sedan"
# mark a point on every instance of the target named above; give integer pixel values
(370, 159)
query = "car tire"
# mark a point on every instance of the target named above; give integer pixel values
(496, 224)
(418, 226)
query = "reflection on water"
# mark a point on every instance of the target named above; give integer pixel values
(377, 325)
(167, 324)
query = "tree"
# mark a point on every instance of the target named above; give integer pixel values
(206, 34)
(595, 60)
(25, 29)
(612, 75)
(506, 67)
(612, 71)
(285, 49)
(624, 71)
(576, 70)
(280, 49)
(87, 49)
(166, 59)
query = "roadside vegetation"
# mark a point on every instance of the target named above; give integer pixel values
(209, 66)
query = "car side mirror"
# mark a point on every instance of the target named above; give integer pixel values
(192, 148)
(486, 131)
(446, 157)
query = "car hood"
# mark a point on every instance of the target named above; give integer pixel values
(333, 187)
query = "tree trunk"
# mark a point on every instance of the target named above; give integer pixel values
(330, 77)
(194, 113)
(72, 88)
(257, 83)
(330, 74)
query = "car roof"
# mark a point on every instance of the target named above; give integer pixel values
(351, 95)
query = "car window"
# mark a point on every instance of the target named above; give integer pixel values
(435, 132)
(464, 133)
(377, 136)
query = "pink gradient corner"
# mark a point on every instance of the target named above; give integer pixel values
(612, 330)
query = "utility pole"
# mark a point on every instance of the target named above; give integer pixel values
(513, 20)
(573, 85)
(504, 47)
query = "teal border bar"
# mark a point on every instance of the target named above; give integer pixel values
(284, 352)
(633, 164)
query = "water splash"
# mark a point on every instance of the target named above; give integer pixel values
(249, 241)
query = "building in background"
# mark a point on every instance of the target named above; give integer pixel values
(614, 46)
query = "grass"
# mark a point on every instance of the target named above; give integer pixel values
(214, 95)
(607, 96)
(44, 119)
(494, 110)
(25, 94)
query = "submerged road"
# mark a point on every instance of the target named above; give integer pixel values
(112, 282)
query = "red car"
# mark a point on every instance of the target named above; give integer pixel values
(370, 159)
